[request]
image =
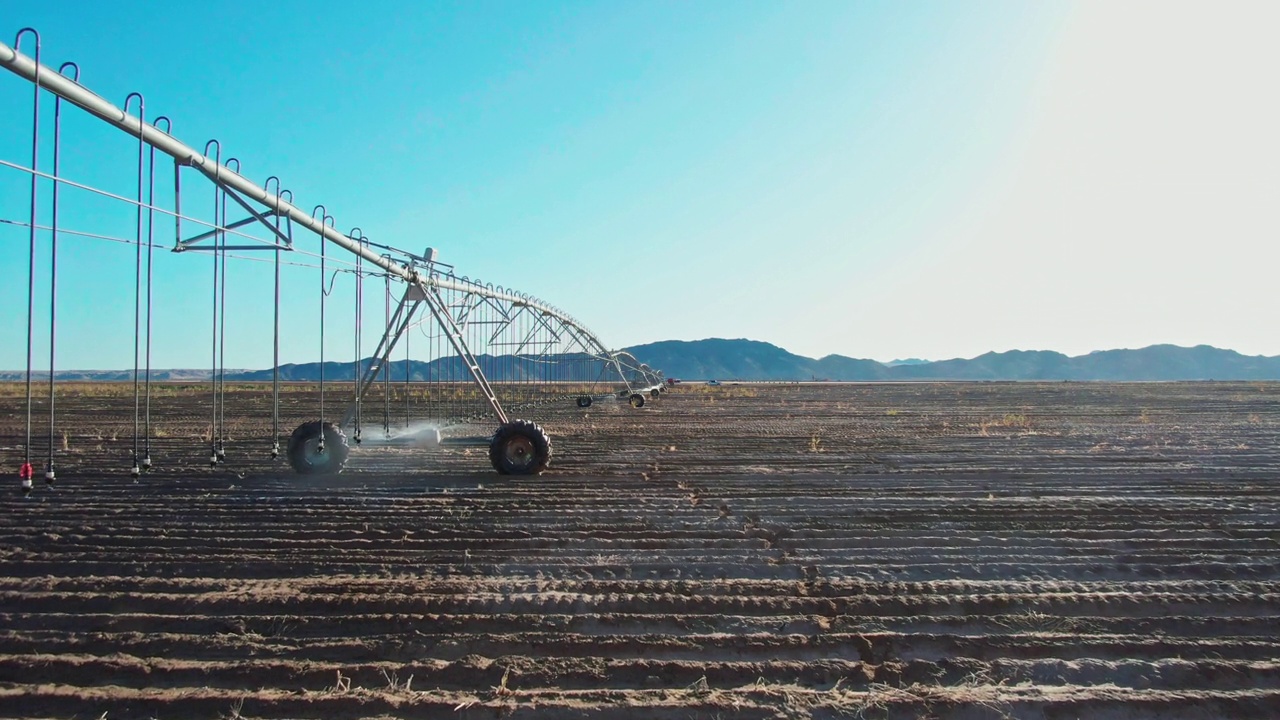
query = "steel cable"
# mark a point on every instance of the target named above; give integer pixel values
(213, 373)
(275, 335)
(151, 196)
(386, 366)
(135, 470)
(222, 328)
(406, 381)
(49, 471)
(25, 472)
(324, 218)
(355, 377)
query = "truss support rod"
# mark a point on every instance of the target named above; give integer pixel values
(236, 248)
(213, 177)
(400, 322)
(185, 244)
(589, 343)
(440, 310)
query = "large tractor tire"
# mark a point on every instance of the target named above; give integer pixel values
(637, 400)
(520, 448)
(584, 401)
(309, 457)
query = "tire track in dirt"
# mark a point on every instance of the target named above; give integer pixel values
(969, 550)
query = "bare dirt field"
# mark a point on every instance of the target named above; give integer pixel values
(1055, 550)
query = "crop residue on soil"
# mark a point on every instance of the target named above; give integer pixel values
(1054, 550)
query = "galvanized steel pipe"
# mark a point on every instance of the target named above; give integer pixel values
(95, 105)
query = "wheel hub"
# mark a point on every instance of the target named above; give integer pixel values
(519, 451)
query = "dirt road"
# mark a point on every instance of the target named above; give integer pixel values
(1047, 550)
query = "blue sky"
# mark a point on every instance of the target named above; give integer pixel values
(873, 179)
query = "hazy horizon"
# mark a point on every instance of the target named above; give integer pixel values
(347, 359)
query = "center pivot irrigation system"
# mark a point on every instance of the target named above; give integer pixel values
(489, 351)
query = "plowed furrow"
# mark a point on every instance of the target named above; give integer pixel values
(802, 551)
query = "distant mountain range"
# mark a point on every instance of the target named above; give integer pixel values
(754, 360)
(720, 359)
(168, 375)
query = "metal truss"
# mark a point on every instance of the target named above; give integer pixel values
(490, 351)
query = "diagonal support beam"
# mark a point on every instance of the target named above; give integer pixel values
(285, 242)
(184, 244)
(440, 309)
(400, 322)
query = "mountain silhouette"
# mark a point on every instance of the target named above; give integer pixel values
(741, 359)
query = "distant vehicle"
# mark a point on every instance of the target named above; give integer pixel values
(673, 381)
(713, 383)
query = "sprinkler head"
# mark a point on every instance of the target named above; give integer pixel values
(221, 454)
(49, 477)
(357, 438)
(213, 461)
(134, 472)
(26, 486)
(146, 464)
(275, 451)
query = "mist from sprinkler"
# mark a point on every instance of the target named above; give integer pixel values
(420, 434)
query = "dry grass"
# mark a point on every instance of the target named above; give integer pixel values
(502, 690)
(1018, 422)
(341, 686)
(731, 390)
(235, 712)
(1039, 622)
(395, 686)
